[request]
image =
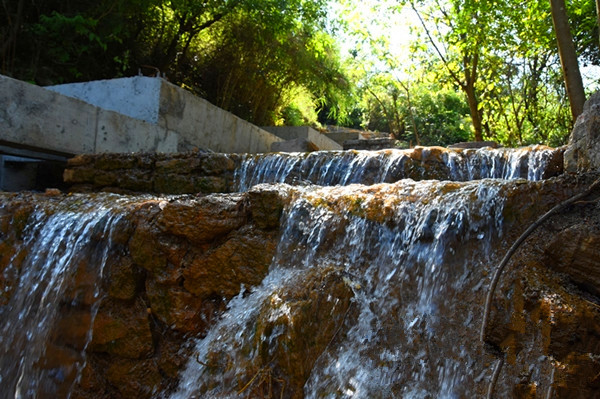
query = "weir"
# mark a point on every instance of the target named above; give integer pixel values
(331, 274)
(386, 166)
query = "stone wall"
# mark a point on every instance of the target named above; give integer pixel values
(192, 172)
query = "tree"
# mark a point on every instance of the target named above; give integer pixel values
(460, 45)
(252, 57)
(568, 57)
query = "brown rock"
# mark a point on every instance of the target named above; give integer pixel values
(122, 330)
(316, 310)
(576, 252)
(124, 279)
(266, 206)
(204, 219)
(143, 246)
(216, 164)
(80, 160)
(135, 379)
(177, 308)
(294, 327)
(73, 328)
(137, 181)
(243, 259)
(115, 161)
(579, 379)
(178, 166)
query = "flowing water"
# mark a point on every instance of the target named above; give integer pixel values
(56, 242)
(403, 253)
(386, 166)
(364, 278)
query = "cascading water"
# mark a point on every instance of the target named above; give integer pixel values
(56, 242)
(406, 253)
(375, 290)
(386, 166)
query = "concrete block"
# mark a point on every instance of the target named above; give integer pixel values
(34, 117)
(340, 137)
(119, 133)
(294, 132)
(296, 145)
(137, 97)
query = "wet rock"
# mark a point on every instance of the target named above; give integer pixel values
(204, 219)
(583, 152)
(243, 258)
(576, 252)
(73, 328)
(135, 379)
(266, 205)
(177, 308)
(579, 378)
(143, 246)
(295, 325)
(125, 279)
(122, 330)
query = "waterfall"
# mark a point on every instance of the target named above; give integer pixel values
(406, 254)
(357, 274)
(56, 243)
(386, 166)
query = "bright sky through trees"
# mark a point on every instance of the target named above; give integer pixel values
(370, 23)
(364, 23)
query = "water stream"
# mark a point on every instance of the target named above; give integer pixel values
(56, 242)
(375, 291)
(402, 250)
(386, 166)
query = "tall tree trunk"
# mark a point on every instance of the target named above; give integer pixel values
(568, 57)
(598, 18)
(474, 111)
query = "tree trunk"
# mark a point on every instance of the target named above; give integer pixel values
(568, 58)
(474, 111)
(598, 17)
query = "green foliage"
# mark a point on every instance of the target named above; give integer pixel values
(478, 69)
(442, 117)
(249, 56)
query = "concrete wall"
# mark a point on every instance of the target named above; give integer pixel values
(34, 117)
(181, 118)
(200, 123)
(340, 137)
(136, 97)
(44, 120)
(321, 141)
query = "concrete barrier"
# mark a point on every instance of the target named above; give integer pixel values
(154, 116)
(138, 114)
(295, 134)
(180, 117)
